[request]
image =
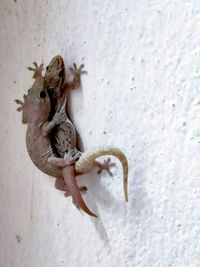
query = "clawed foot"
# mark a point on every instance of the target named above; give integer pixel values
(77, 71)
(73, 154)
(69, 159)
(106, 165)
(37, 70)
(19, 102)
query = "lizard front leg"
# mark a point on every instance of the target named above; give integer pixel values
(76, 72)
(37, 71)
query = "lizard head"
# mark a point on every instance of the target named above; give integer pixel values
(55, 75)
(36, 105)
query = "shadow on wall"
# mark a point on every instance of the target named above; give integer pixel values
(138, 196)
(97, 193)
(131, 211)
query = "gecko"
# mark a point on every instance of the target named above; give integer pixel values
(57, 84)
(36, 110)
(58, 88)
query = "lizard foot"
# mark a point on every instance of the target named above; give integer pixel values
(77, 71)
(37, 70)
(69, 158)
(19, 102)
(73, 153)
(106, 165)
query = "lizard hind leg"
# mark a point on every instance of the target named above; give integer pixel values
(106, 165)
(59, 162)
(61, 185)
(68, 173)
(70, 179)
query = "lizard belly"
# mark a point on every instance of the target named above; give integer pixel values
(63, 138)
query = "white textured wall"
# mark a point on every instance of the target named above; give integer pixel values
(142, 94)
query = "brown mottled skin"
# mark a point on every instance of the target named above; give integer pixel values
(44, 112)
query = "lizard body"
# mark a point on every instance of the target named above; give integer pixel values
(55, 82)
(37, 113)
(64, 136)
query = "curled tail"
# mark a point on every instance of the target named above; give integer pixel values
(85, 163)
(70, 179)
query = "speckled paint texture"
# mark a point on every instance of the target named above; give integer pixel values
(141, 94)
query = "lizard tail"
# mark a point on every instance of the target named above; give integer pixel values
(86, 163)
(70, 179)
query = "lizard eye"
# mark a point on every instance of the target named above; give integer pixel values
(42, 94)
(61, 73)
(47, 67)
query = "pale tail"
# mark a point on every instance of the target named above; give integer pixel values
(85, 163)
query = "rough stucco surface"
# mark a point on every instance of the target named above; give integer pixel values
(141, 94)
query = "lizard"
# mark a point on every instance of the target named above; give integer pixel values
(58, 88)
(35, 112)
(56, 84)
